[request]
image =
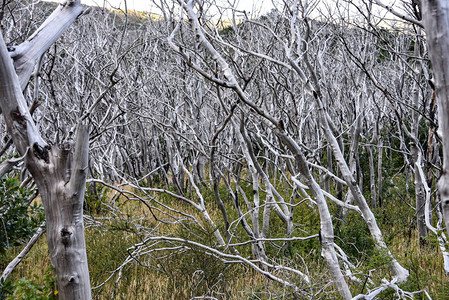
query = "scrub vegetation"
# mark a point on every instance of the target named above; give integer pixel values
(199, 153)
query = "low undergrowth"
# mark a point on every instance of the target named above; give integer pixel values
(170, 270)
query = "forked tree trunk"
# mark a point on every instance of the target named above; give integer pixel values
(61, 181)
(60, 175)
(436, 23)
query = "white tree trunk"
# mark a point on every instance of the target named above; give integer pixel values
(414, 147)
(62, 191)
(60, 175)
(436, 23)
(327, 230)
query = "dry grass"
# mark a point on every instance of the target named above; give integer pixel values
(137, 282)
(176, 278)
(107, 250)
(425, 264)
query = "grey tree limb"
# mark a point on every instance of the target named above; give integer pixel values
(27, 54)
(15, 262)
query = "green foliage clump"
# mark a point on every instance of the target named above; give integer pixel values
(227, 31)
(355, 238)
(96, 194)
(18, 219)
(36, 288)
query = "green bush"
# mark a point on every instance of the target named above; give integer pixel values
(33, 289)
(355, 238)
(96, 194)
(18, 219)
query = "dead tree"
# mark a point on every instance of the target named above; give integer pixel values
(58, 170)
(436, 23)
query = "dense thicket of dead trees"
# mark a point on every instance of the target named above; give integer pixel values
(270, 120)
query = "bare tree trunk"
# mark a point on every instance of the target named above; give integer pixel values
(420, 198)
(380, 152)
(400, 272)
(327, 178)
(327, 230)
(63, 196)
(368, 216)
(420, 195)
(436, 23)
(372, 178)
(59, 175)
(354, 153)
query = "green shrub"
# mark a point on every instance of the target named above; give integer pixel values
(18, 219)
(355, 238)
(96, 194)
(33, 289)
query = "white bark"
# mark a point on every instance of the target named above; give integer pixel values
(203, 210)
(441, 237)
(29, 52)
(59, 178)
(436, 23)
(8, 164)
(327, 235)
(380, 152)
(415, 149)
(372, 177)
(327, 231)
(400, 272)
(367, 214)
